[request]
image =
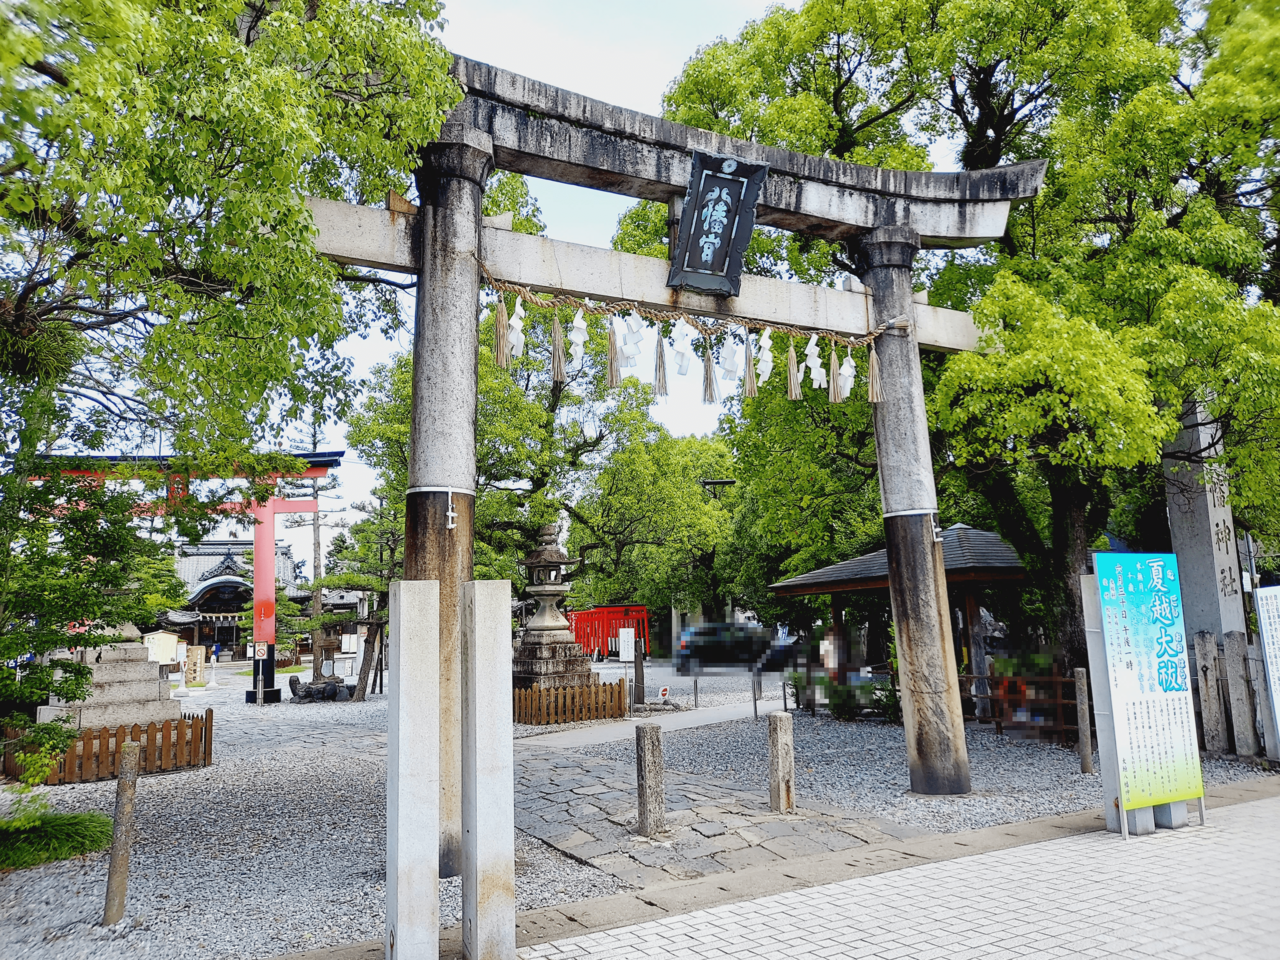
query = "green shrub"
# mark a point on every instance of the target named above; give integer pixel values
(53, 836)
(887, 700)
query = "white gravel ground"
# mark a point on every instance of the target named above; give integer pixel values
(277, 847)
(862, 767)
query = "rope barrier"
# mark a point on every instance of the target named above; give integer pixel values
(607, 307)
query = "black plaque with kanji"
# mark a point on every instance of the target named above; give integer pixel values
(716, 223)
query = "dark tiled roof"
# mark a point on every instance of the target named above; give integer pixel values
(195, 563)
(965, 551)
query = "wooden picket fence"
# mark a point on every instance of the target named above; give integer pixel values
(95, 753)
(600, 701)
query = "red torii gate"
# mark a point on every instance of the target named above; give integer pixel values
(264, 551)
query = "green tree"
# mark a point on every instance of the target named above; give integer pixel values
(76, 564)
(1136, 287)
(655, 532)
(155, 158)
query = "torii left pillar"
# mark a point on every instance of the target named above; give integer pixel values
(440, 506)
(264, 591)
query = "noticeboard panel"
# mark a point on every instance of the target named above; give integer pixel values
(1146, 648)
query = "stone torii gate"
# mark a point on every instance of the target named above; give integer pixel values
(883, 218)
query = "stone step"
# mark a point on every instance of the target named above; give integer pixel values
(116, 671)
(115, 714)
(113, 652)
(126, 691)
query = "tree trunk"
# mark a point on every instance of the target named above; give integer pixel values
(1071, 502)
(371, 640)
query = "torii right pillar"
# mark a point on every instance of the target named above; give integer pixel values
(931, 713)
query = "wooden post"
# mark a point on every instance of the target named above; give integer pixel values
(1083, 726)
(180, 744)
(782, 763)
(118, 871)
(651, 798)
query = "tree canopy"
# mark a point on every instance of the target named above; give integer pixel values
(155, 158)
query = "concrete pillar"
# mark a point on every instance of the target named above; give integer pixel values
(1083, 727)
(1170, 816)
(1213, 717)
(782, 763)
(934, 723)
(1202, 530)
(488, 774)
(440, 508)
(413, 772)
(651, 800)
(1240, 692)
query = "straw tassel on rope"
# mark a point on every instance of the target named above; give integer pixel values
(557, 350)
(613, 378)
(708, 374)
(501, 345)
(874, 393)
(793, 373)
(833, 379)
(749, 375)
(660, 367)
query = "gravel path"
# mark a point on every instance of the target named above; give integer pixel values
(862, 767)
(230, 861)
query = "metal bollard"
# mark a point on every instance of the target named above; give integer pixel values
(118, 871)
(1083, 727)
(782, 763)
(651, 801)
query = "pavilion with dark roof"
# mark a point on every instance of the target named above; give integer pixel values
(975, 560)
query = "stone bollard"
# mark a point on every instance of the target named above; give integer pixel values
(1083, 727)
(652, 802)
(118, 871)
(782, 763)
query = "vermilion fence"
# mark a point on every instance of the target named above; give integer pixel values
(596, 630)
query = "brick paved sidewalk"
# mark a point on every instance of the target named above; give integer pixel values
(1204, 892)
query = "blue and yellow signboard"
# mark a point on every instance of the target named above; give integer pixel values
(1150, 680)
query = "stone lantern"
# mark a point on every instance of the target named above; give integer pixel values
(548, 655)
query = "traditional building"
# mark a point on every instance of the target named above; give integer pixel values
(219, 583)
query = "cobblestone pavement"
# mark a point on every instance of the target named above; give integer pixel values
(1088, 896)
(586, 807)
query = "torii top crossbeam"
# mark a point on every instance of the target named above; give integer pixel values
(547, 132)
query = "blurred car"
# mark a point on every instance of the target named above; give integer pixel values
(731, 646)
